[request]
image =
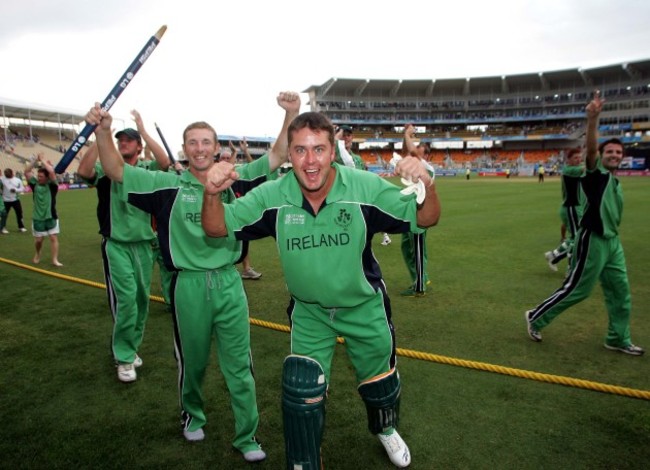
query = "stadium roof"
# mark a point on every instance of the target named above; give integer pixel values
(39, 112)
(528, 82)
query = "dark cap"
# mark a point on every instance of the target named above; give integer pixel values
(346, 128)
(130, 133)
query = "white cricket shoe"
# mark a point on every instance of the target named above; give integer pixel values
(396, 448)
(137, 362)
(386, 240)
(194, 436)
(126, 373)
(256, 455)
(549, 258)
(250, 273)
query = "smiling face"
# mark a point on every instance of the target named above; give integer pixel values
(611, 155)
(312, 153)
(574, 157)
(348, 139)
(129, 148)
(200, 146)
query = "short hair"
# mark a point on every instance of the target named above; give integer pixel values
(200, 125)
(613, 140)
(44, 172)
(572, 152)
(314, 121)
(426, 147)
(9, 173)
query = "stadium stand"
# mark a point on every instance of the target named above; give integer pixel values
(503, 120)
(483, 122)
(29, 129)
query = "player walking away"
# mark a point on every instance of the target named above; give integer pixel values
(12, 186)
(571, 208)
(414, 244)
(207, 292)
(598, 253)
(127, 252)
(323, 216)
(45, 222)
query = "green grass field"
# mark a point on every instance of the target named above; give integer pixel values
(62, 406)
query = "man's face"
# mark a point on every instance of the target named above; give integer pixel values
(311, 154)
(128, 147)
(347, 138)
(41, 178)
(575, 159)
(200, 148)
(226, 156)
(612, 156)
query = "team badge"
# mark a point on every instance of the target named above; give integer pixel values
(344, 219)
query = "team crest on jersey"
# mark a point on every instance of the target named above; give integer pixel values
(294, 219)
(343, 219)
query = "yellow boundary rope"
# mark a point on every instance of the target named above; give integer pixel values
(422, 356)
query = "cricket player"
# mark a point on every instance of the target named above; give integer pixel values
(207, 293)
(127, 252)
(597, 253)
(323, 216)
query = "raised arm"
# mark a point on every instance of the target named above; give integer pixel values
(51, 174)
(87, 164)
(111, 160)
(290, 102)
(409, 147)
(340, 149)
(243, 145)
(593, 110)
(28, 171)
(154, 147)
(428, 213)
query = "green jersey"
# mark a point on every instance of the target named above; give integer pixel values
(175, 201)
(118, 220)
(571, 195)
(44, 199)
(604, 207)
(327, 257)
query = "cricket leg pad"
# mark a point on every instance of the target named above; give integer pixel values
(381, 395)
(303, 411)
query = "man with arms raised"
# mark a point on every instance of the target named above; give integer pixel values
(323, 216)
(207, 293)
(597, 252)
(127, 252)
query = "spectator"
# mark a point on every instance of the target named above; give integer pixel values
(12, 187)
(3, 211)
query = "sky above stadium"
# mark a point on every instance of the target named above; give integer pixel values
(225, 62)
